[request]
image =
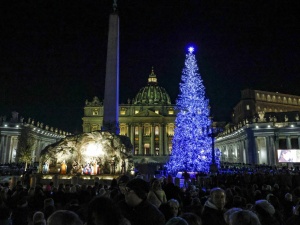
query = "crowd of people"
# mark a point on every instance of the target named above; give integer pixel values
(259, 197)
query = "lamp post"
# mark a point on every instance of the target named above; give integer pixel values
(213, 133)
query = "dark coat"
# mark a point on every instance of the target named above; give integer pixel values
(145, 213)
(211, 216)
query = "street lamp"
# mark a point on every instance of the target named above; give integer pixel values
(214, 131)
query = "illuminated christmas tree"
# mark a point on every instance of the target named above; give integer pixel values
(192, 142)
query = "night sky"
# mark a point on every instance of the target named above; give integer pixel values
(53, 53)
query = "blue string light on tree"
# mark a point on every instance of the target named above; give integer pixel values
(192, 143)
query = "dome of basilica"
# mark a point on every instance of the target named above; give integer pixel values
(152, 94)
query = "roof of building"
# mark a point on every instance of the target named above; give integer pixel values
(152, 94)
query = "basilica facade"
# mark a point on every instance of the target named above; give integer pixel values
(264, 125)
(148, 120)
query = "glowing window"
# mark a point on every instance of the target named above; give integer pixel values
(136, 130)
(156, 111)
(156, 130)
(122, 112)
(170, 129)
(136, 111)
(147, 130)
(171, 112)
(123, 130)
(152, 79)
(248, 107)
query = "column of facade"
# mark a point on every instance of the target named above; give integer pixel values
(240, 151)
(132, 133)
(38, 150)
(298, 142)
(256, 153)
(2, 148)
(165, 141)
(152, 145)
(272, 150)
(288, 142)
(127, 128)
(161, 149)
(140, 140)
(8, 152)
(245, 159)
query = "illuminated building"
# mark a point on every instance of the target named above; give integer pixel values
(148, 120)
(263, 123)
(10, 131)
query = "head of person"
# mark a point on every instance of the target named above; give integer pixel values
(218, 197)
(63, 217)
(191, 218)
(122, 181)
(264, 208)
(102, 211)
(244, 217)
(39, 218)
(288, 197)
(166, 210)
(156, 185)
(296, 210)
(174, 206)
(229, 212)
(136, 191)
(177, 221)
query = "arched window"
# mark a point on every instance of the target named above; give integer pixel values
(156, 130)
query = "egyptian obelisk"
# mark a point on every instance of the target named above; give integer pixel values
(111, 92)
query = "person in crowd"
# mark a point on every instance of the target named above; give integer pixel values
(166, 210)
(136, 208)
(287, 205)
(102, 211)
(21, 212)
(242, 217)
(213, 211)
(122, 181)
(63, 217)
(277, 206)
(175, 207)
(195, 207)
(49, 207)
(172, 191)
(265, 212)
(229, 212)
(177, 221)
(156, 195)
(4, 213)
(295, 218)
(38, 218)
(192, 218)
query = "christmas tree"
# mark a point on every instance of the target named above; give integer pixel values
(192, 142)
